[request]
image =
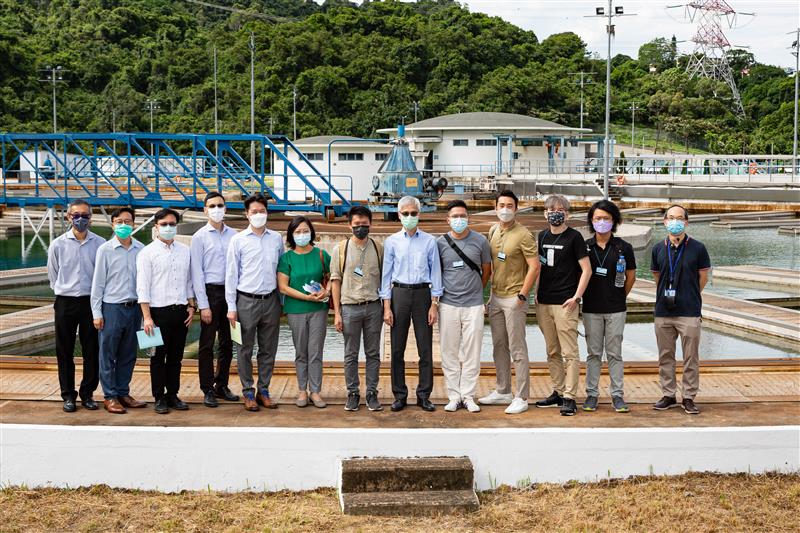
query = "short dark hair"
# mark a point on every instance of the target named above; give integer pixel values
(211, 196)
(77, 202)
(456, 203)
(359, 210)
(685, 212)
(257, 197)
(509, 194)
(164, 213)
(124, 209)
(296, 221)
(610, 208)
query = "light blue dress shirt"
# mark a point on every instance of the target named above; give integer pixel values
(208, 250)
(70, 263)
(252, 264)
(411, 260)
(114, 280)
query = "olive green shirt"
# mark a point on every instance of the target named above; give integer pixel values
(518, 244)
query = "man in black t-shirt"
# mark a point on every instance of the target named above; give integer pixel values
(680, 268)
(604, 302)
(563, 279)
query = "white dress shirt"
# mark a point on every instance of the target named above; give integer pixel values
(163, 274)
(70, 263)
(252, 264)
(208, 249)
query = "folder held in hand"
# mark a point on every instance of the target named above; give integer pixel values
(149, 341)
(236, 333)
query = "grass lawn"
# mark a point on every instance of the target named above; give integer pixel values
(692, 503)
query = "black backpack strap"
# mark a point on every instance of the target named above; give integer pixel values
(470, 263)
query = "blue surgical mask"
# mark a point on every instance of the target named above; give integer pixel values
(459, 224)
(676, 227)
(167, 232)
(81, 224)
(302, 239)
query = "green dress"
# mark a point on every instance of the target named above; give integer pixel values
(302, 269)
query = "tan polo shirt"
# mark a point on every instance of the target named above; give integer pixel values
(517, 243)
(357, 289)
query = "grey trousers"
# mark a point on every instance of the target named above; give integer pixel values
(260, 318)
(358, 320)
(308, 336)
(604, 334)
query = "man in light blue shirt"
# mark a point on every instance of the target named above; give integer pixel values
(411, 285)
(70, 267)
(208, 250)
(116, 312)
(250, 283)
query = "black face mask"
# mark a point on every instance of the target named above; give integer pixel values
(360, 232)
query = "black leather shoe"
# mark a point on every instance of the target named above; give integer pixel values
(225, 393)
(69, 406)
(161, 407)
(398, 405)
(426, 404)
(176, 403)
(90, 404)
(209, 400)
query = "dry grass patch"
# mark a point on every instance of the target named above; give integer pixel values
(692, 502)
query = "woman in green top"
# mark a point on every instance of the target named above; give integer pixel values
(301, 270)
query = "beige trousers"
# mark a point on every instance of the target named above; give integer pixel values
(667, 331)
(507, 320)
(560, 330)
(461, 337)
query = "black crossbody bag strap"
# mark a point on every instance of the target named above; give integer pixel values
(462, 255)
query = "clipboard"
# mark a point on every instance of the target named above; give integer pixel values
(149, 341)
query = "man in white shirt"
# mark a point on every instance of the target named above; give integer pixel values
(250, 291)
(164, 287)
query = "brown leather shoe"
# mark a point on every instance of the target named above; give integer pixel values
(266, 401)
(250, 402)
(113, 406)
(131, 403)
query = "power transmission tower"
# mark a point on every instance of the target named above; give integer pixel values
(709, 59)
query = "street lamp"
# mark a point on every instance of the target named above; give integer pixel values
(796, 54)
(151, 105)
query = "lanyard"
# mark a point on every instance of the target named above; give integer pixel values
(608, 249)
(674, 264)
(555, 241)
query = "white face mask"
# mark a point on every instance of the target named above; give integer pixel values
(258, 220)
(216, 214)
(505, 214)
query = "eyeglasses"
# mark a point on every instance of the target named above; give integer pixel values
(78, 216)
(409, 213)
(128, 221)
(676, 218)
(215, 205)
(167, 224)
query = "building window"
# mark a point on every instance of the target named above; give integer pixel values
(352, 156)
(460, 142)
(504, 142)
(380, 156)
(516, 155)
(486, 142)
(314, 156)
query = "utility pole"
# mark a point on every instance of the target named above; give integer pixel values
(151, 105)
(582, 82)
(610, 14)
(216, 116)
(416, 109)
(252, 99)
(633, 107)
(796, 53)
(294, 112)
(53, 75)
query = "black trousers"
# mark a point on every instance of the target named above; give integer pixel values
(219, 329)
(75, 313)
(411, 305)
(165, 365)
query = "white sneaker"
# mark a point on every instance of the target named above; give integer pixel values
(495, 398)
(452, 406)
(517, 406)
(471, 406)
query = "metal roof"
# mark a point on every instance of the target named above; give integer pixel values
(324, 140)
(485, 121)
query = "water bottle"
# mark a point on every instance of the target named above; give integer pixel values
(619, 278)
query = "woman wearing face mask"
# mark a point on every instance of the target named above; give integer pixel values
(301, 270)
(604, 309)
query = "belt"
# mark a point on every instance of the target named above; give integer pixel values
(173, 306)
(129, 303)
(257, 296)
(218, 286)
(411, 285)
(363, 303)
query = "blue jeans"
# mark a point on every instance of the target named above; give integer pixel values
(118, 348)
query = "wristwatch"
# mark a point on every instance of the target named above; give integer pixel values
(522, 297)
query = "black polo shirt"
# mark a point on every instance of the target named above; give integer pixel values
(689, 259)
(558, 283)
(601, 295)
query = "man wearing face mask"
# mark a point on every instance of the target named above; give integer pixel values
(70, 267)
(466, 268)
(515, 267)
(117, 315)
(411, 285)
(208, 250)
(565, 274)
(250, 292)
(164, 288)
(356, 282)
(680, 268)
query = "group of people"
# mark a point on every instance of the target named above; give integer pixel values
(242, 282)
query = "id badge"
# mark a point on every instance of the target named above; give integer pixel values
(358, 272)
(551, 257)
(669, 293)
(600, 271)
(542, 259)
(501, 256)
(458, 264)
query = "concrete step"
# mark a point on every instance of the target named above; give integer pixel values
(388, 474)
(414, 503)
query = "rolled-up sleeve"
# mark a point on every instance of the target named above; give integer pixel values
(99, 283)
(388, 265)
(198, 276)
(232, 275)
(144, 274)
(435, 265)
